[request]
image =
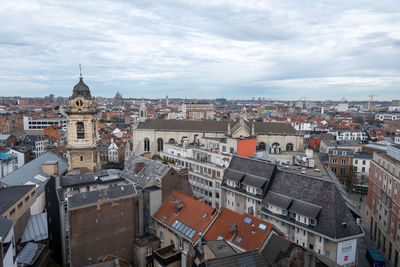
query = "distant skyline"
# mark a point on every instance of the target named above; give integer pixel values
(202, 49)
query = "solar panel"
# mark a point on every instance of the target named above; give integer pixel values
(188, 231)
(238, 240)
(181, 227)
(175, 223)
(178, 225)
(192, 233)
(185, 229)
(248, 220)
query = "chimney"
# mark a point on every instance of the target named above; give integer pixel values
(233, 228)
(50, 167)
(184, 172)
(253, 229)
(139, 166)
(178, 206)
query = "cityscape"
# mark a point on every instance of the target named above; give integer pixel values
(188, 134)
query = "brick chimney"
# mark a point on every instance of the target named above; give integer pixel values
(178, 205)
(139, 166)
(50, 167)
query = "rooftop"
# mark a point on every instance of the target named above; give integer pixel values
(10, 195)
(92, 198)
(193, 217)
(215, 126)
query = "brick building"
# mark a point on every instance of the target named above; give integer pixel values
(341, 163)
(103, 222)
(383, 203)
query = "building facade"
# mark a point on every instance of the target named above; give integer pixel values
(300, 206)
(383, 203)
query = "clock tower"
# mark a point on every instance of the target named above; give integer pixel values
(82, 129)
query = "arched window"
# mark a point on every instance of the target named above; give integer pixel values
(289, 147)
(276, 148)
(172, 141)
(146, 145)
(160, 144)
(80, 130)
(261, 146)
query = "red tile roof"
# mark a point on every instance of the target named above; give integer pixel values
(249, 240)
(192, 214)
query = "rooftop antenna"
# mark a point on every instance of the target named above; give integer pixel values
(80, 72)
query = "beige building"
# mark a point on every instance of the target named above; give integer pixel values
(151, 135)
(82, 129)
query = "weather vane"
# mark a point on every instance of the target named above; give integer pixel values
(80, 71)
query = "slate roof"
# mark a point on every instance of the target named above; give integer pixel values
(244, 236)
(31, 172)
(152, 169)
(363, 155)
(97, 177)
(10, 195)
(5, 226)
(192, 214)
(321, 199)
(250, 259)
(276, 249)
(250, 172)
(215, 126)
(313, 193)
(91, 198)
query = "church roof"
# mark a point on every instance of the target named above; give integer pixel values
(215, 126)
(81, 89)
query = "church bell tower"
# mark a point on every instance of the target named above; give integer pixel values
(82, 129)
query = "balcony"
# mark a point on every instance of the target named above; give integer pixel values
(167, 255)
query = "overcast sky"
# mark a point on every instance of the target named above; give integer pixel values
(202, 48)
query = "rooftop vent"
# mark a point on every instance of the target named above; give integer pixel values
(178, 206)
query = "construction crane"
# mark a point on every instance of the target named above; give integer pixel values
(371, 102)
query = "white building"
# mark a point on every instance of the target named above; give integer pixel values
(112, 152)
(387, 116)
(19, 155)
(8, 164)
(361, 163)
(341, 135)
(7, 237)
(40, 124)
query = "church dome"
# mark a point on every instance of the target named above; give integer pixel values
(81, 89)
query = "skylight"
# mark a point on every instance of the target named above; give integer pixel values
(238, 240)
(248, 220)
(262, 226)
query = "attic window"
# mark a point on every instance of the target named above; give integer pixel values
(247, 220)
(205, 215)
(238, 240)
(165, 217)
(173, 198)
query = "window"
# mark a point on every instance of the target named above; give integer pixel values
(237, 204)
(327, 253)
(146, 144)
(343, 162)
(160, 144)
(81, 158)
(20, 205)
(80, 130)
(161, 236)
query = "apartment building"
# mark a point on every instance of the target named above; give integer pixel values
(42, 123)
(383, 203)
(340, 163)
(391, 116)
(206, 167)
(300, 206)
(346, 134)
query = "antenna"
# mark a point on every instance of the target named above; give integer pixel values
(80, 71)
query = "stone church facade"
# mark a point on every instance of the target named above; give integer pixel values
(151, 135)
